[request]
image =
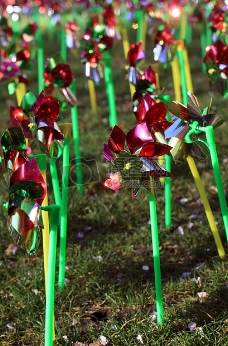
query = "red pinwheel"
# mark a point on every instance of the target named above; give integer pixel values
(44, 114)
(13, 148)
(22, 114)
(57, 80)
(135, 56)
(72, 41)
(146, 83)
(91, 59)
(217, 18)
(164, 50)
(27, 190)
(216, 61)
(141, 104)
(98, 34)
(132, 166)
(156, 121)
(109, 20)
(19, 114)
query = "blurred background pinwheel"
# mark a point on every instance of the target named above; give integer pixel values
(57, 80)
(135, 56)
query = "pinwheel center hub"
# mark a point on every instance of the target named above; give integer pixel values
(211, 71)
(127, 166)
(9, 68)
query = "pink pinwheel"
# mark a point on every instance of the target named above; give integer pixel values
(9, 69)
(133, 158)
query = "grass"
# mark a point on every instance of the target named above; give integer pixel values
(107, 291)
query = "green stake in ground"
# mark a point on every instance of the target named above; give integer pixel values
(76, 142)
(135, 168)
(66, 129)
(110, 89)
(210, 143)
(54, 213)
(156, 257)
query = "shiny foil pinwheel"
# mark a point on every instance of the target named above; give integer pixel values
(27, 189)
(157, 123)
(98, 33)
(141, 104)
(22, 114)
(72, 41)
(185, 117)
(135, 56)
(146, 94)
(57, 80)
(90, 58)
(43, 117)
(109, 20)
(146, 82)
(19, 114)
(132, 159)
(13, 146)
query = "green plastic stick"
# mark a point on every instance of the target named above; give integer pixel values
(156, 257)
(140, 30)
(64, 209)
(168, 214)
(225, 93)
(16, 28)
(207, 27)
(110, 90)
(63, 49)
(55, 181)
(217, 173)
(203, 44)
(54, 211)
(40, 68)
(40, 50)
(76, 141)
(183, 76)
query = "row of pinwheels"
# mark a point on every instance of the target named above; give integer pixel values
(27, 187)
